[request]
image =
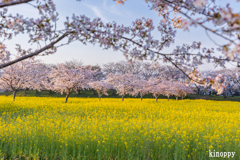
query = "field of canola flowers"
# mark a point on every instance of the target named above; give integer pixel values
(47, 128)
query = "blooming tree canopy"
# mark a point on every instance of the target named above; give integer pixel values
(135, 41)
(181, 90)
(124, 83)
(21, 75)
(141, 87)
(156, 87)
(66, 80)
(101, 87)
(170, 90)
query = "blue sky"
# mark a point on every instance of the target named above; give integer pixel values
(108, 10)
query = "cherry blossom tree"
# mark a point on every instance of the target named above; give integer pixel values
(181, 90)
(231, 80)
(156, 87)
(144, 70)
(66, 80)
(101, 87)
(98, 76)
(121, 67)
(73, 63)
(45, 79)
(22, 75)
(170, 90)
(222, 81)
(141, 88)
(233, 83)
(124, 83)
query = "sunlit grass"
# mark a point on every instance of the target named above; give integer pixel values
(84, 128)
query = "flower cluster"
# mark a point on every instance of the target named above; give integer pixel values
(135, 41)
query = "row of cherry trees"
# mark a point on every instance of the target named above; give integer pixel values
(224, 81)
(73, 76)
(133, 79)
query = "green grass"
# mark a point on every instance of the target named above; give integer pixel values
(90, 93)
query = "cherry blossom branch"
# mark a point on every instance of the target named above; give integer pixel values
(36, 52)
(180, 69)
(165, 56)
(187, 8)
(7, 4)
(200, 24)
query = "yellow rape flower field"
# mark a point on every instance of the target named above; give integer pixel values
(84, 128)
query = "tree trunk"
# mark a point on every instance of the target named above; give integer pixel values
(156, 99)
(66, 99)
(36, 92)
(94, 92)
(231, 93)
(50, 92)
(198, 90)
(224, 95)
(168, 98)
(14, 95)
(113, 92)
(176, 98)
(78, 91)
(141, 97)
(122, 98)
(25, 91)
(99, 97)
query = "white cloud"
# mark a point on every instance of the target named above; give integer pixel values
(97, 12)
(112, 9)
